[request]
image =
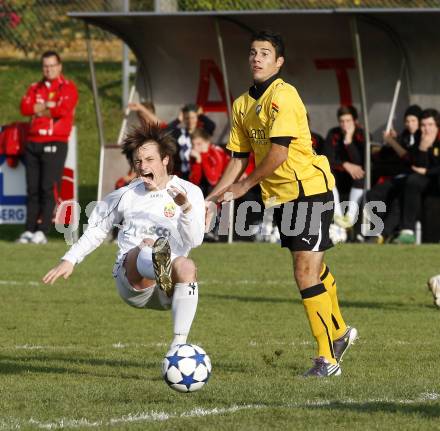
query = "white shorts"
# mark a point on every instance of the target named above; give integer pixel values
(151, 297)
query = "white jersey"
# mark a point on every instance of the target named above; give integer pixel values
(140, 214)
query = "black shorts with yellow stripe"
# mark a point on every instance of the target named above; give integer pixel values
(304, 223)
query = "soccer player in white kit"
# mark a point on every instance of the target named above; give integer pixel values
(161, 217)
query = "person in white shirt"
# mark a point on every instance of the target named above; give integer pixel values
(161, 217)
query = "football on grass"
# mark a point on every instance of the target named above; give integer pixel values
(186, 368)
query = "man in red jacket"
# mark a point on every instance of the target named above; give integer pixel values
(50, 103)
(207, 161)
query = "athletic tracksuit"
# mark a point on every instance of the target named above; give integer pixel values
(46, 147)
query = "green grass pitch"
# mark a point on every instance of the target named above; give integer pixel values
(74, 356)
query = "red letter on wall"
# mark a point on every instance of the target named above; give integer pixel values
(208, 68)
(340, 65)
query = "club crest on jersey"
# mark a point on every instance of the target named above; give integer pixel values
(258, 109)
(169, 209)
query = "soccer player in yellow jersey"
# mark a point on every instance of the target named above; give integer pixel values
(271, 120)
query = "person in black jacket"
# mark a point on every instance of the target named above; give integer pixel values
(425, 166)
(190, 118)
(392, 158)
(318, 142)
(344, 147)
(392, 165)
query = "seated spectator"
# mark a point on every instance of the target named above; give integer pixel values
(126, 179)
(318, 141)
(190, 118)
(147, 111)
(425, 174)
(207, 161)
(394, 160)
(344, 147)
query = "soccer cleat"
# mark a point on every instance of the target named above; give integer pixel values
(39, 238)
(25, 237)
(341, 345)
(323, 368)
(162, 265)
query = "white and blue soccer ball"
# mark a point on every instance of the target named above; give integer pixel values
(186, 368)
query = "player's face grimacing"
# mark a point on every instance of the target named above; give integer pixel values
(150, 167)
(262, 60)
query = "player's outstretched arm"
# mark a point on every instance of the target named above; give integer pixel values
(63, 269)
(277, 155)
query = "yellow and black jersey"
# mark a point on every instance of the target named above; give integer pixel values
(279, 112)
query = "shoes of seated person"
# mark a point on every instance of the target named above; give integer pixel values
(275, 236)
(25, 237)
(379, 239)
(343, 221)
(434, 287)
(211, 237)
(406, 236)
(323, 368)
(39, 238)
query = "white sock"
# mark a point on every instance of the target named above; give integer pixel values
(184, 306)
(144, 263)
(338, 209)
(353, 204)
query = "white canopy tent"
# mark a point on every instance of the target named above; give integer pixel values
(333, 56)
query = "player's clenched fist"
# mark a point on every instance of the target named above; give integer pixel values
(63, 269)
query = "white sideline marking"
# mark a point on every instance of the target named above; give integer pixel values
(31, 347)
(152, 416)
(429, 396)
(254, 343)
(224, 282)
(155, 416)
(117, 345)
(18, 283)
(120, 345)
(246, 281)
